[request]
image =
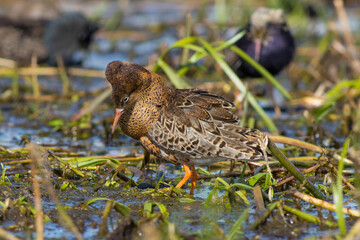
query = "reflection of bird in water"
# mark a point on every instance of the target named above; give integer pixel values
(182, 126)
(64, 36)
(267, 40)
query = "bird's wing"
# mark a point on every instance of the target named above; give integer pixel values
(197, 124)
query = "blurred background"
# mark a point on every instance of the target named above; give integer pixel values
(53, 91)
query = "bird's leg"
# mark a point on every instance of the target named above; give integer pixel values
(186, 177)
(146, 159)
(194, 178)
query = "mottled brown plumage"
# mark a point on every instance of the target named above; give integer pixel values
(182, 126)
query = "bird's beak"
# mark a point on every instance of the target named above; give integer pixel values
(118, 112)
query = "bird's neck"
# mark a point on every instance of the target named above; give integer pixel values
(137, 121)
(156, 92)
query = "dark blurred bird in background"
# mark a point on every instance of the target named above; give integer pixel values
(65, 36)
(267, 40)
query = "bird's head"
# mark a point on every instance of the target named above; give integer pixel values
(262, 18)
(129, 82)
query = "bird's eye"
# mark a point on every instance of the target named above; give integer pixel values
(125, 99)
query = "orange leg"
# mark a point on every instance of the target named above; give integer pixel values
(186, 177)
(194, 178)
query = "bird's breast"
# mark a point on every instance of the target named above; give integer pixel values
(137, 121)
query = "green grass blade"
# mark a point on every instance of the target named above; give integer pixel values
(227, 186)
(239, 84)
(91, 201)
(210, 196)
(185, 42)
(306, 216)
(242, 186)
(243, 197)
(230, 41)
(200, 53)
(177, 81)
(338, 190)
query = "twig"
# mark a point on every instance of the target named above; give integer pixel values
(51, 71)
(259, 200)
(15, 84)
(66, 220)
(34, 78)
(52, 97)
(313, 168)
(63, 75)
(39, 215)
(229, 174)
(332, 168)
(354, 233)
(305, 145)
(185, 52)
(324, 204)
(296, 142)
(6, 235)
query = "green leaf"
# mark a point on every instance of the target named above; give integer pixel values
(56, 123)
(186, 200)
(334, 95)
(210, 196)
(242, 186)
(227, 186)
(338, 190)
(122, 209)
(64, 186)
(202, 171)
(148, 209)
(254, 179)
(243, 197)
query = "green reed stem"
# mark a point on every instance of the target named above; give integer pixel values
(295, 172)
(307, 217)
